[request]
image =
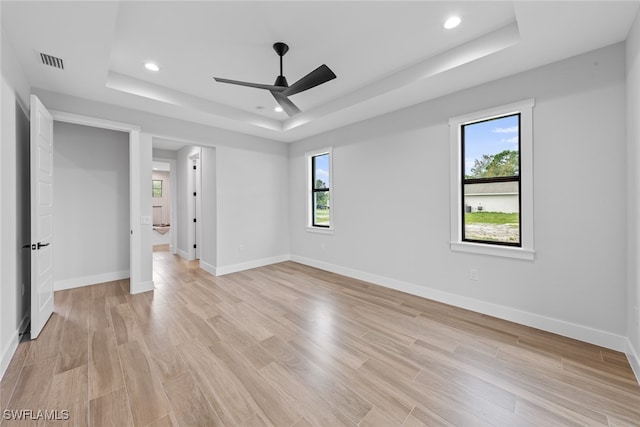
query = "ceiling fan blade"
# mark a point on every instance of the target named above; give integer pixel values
(320, 75)
(272, 88)
(286, 104)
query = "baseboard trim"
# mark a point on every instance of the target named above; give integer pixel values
(7, 353)
(228, 269)
(209, 268)
(556, 326)
(634, 360)
(142, 287)
(12, 345)
(77, 282)
(184, 255)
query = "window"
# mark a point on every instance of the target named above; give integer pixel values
(156, 188)
(491, 181)
(319, 201)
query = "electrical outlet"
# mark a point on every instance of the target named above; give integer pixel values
(240, 248)
(473, 274)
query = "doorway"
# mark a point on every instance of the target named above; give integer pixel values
(137, 253)
(193, 195)
(161, 196)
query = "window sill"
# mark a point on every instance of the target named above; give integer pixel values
(320, 230)
(493, 250)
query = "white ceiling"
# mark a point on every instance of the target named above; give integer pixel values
(386, 54)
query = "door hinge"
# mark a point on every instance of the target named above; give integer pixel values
(194, 246)
(194, 167)
(194, 194)
(194, 220)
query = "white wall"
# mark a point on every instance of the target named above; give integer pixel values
(14, 94)
(508, 203)
(576, 285)
(209, 214)
(633, 193)
(252, 206)
(91, 205)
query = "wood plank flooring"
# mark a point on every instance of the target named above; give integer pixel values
(289, 345)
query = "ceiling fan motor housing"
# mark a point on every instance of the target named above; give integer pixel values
(281, 81)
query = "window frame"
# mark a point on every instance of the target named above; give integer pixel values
(311, 190)
(525, 250)
(465, 181)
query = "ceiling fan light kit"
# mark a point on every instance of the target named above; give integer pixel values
(281, 90)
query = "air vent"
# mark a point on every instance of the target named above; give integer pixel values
(52, 61)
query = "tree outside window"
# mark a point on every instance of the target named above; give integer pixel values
(156, 188)
(321, 193)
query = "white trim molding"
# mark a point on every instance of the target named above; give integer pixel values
(8, 352)
(78, 282)
(12, 345)
(184, 255)
(526, 250)
(209, 268)
(634, 359)
(234, 268)
(147, 286)
(549, 324)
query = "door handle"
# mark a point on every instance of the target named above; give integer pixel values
(42, 245)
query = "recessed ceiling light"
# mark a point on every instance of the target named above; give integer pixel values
(452, 22)
(278, 109)
(151, 66)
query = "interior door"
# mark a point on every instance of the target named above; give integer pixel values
(41, 216)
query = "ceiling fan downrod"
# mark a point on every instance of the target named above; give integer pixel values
(281, 49)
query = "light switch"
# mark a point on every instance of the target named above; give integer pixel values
(145, 220)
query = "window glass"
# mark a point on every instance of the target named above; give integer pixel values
(156, 188)
(491, 180)
(321, 190)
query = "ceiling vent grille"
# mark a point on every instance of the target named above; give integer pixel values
(52, 61)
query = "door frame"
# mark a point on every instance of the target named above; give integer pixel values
(195, 209)
(135, 187)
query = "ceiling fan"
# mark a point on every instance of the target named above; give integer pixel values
(281, 89)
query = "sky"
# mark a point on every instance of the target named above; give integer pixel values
(490, 137)
(322, 169)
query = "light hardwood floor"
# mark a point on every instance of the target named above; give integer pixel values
(289, 345)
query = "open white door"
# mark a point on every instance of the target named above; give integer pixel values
(41, 216)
